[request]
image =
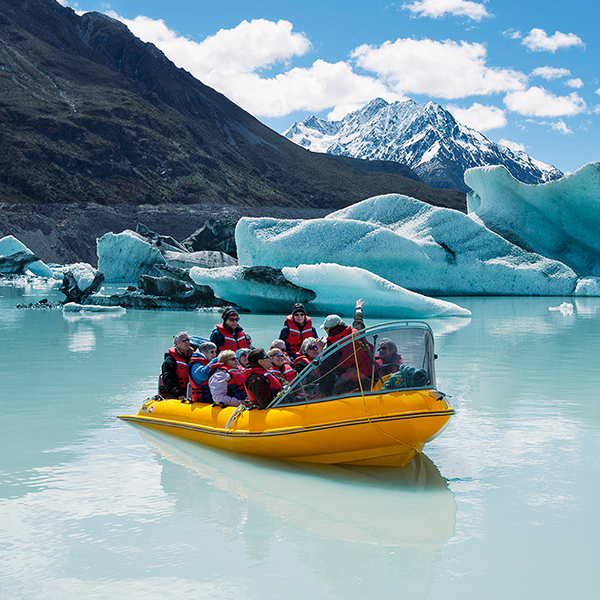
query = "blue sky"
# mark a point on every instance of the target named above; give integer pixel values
(525, 73)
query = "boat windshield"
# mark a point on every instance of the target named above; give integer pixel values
(382, 358)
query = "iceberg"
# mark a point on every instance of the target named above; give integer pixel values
(73, 307)
(80, 280)
(260, 289)
(588, 286)
(10, 245)
(123, 257)
(559, 219)
(337, 289)
(423, 248)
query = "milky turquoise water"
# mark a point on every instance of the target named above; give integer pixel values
(503, 505)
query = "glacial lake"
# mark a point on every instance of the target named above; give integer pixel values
(504, 504)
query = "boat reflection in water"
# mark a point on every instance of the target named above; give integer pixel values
(346, 407)
(410, 506)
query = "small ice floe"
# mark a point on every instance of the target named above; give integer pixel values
(566, 308)
(72, 307)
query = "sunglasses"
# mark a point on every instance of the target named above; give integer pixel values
(277, 355)
(233, 318)
(184, 340)
(313, 348)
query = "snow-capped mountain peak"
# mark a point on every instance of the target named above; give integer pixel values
(425, 137)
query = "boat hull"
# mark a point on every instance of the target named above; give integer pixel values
(384, 429)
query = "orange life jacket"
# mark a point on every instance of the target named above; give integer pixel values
(182, 367)
(233, 341)
(296, 334)
(348, 362)
(274, 384)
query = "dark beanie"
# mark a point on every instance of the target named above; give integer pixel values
(228, 311)
(298, 308)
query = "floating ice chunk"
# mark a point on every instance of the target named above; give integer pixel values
(123, 257)
(73, 307)
(566, 308)
(11, 245)
(83, 274)
(339, 287)
(559, 219)
(260, 289)
(588, 286)
(412, 244)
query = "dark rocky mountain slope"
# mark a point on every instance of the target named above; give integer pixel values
(89, 113)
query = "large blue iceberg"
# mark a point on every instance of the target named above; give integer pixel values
(435, 251)
(559, 219)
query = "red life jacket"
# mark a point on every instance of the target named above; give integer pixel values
(301, 361)
(274, 384)
(182, 367)
(348, 362)
(233, 341)
(391, 367)
(284, 371)
(199, 391)
(235, 385)
(296, 334)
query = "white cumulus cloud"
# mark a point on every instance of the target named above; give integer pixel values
(480, 117)
(574, 83)
(538, 102)
(514, 146)
(233, 62)
(550, 73)
(440, 8)
(245, 48)
(445, 69)
(538, 40)
(561, 127)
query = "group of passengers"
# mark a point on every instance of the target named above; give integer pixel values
(228, 371)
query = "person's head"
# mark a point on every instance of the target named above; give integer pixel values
(277, 356)
(259, 358)
(387, 349)
(208, 349)
(332, 321)
(228, 357)
(182, 342)
(280, 344)
(299, 314)
(230, 317)
(242, 356)
(309, 348)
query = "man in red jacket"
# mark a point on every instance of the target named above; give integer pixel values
(353, 360)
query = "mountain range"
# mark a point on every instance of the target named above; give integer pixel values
(90, 113)
(425, 137)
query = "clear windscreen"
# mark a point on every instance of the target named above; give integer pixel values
(382, 358)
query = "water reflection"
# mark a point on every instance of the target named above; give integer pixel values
(412, 506)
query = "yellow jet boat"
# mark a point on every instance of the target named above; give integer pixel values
(384, 417)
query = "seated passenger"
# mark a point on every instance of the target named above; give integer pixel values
(280, 345)
(296, 329)
(261, 386)
(308, 352)
(226, 381)
(199, 371)
(353, 359)
(242, 356)
(229, 335)
(174, 370)
(388, 360)
(280, 367)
